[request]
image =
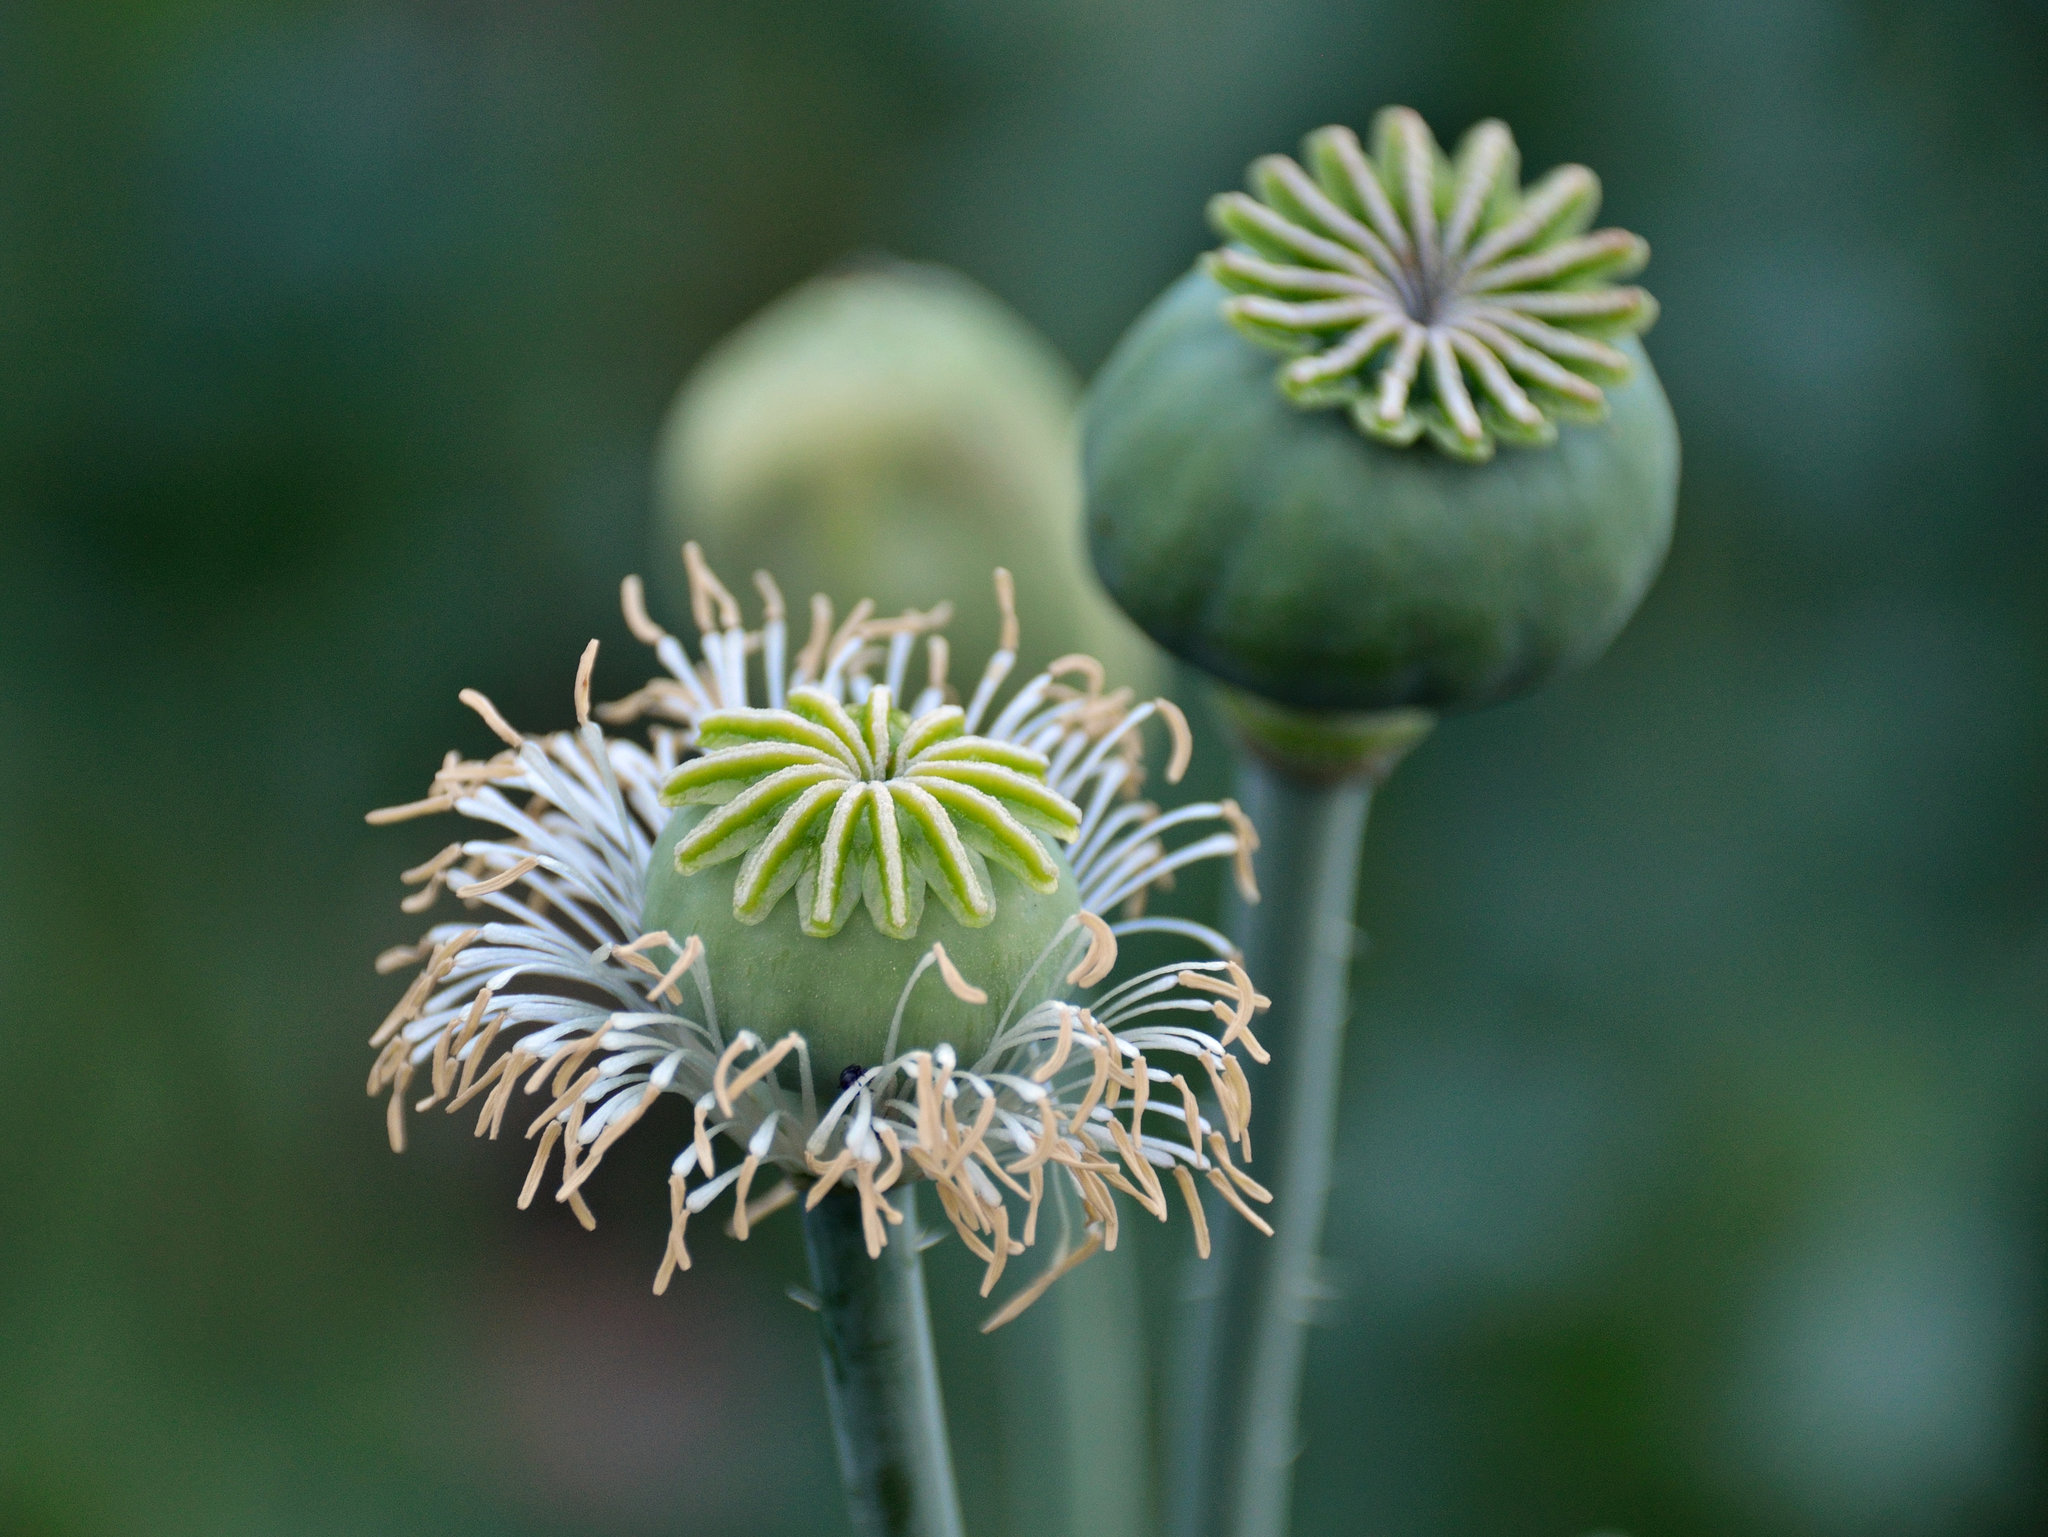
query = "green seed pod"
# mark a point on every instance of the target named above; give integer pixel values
(839, 808)
(1345, 538)
(894, 430)
(785, 979)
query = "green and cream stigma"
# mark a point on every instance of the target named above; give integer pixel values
(881, 806)
(1091, 1085)
(1432, 295)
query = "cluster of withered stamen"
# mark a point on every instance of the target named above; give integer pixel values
(557, 984)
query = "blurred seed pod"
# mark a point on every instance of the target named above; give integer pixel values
(893, 431)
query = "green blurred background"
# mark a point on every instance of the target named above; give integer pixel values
(1693, 1168)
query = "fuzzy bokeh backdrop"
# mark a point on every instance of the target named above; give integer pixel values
(1693, 1167)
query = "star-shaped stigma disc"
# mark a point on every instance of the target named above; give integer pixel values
(1432, 295)
(845, 805)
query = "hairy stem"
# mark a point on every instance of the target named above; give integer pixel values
(1236, 1439)
(881, 1377)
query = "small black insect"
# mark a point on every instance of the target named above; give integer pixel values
(849, 1076)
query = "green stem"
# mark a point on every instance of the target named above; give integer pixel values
(1237, 1439)
(881, 1376)
(1077, 1454)
(1098, 1316)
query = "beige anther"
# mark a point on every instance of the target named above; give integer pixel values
(572, 1095)
(1037, 1195)
(1226, 1092)
(874, 1211)
(664, 698)
(1207, 982)
(394, 1112)
(762, 1207)
(1082, 663)
(850, 628)
(707, 1165)
(438, 966)
(1101, 956)
(692, 952)
(1006, 602)
(956, 984)
(1096, 1084)
(633, 603)
(572, 1140)
(1230, 1194)
(1105, 1208)
(1193, 1112)
(988, 1162)
(432, 867)
(384, 816)
(548, 1139)
(1247, 845)
(582, 1211)
(829, 1174)
(473, 1061)
(964, 1148)
(677, 1255)
(568, 1061)
(999, 1250)
(583, 670)
(1037, 1288)
(419, 901)
(741, 1042)
(1183, 740)
(616, 1129)
(1048, 1138)
(965, 1215)
(910, 622)
(888, 1177)
(630, 952)
(1186, 1181)
(516, 1061)
(810, 662)
(1144, 1186)
(1238, 1020)
(397, 956)
(710, 604)
(741, 1187)
(383, 1066)
(510, 876)
(576, 1048)
(444, 1065)
(1118, 1073)
(499, 728)
(1238, 1177)
(1241, 1086)
(1043, 1073)
(753, 1073)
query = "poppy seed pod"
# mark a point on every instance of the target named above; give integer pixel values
(1463, 478)
(783, 912)
(893, 429)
